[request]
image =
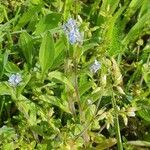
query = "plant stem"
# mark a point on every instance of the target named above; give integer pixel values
(82, 115)
(68, 71)
(1, 109)
(76, 88)
(71, 106)
(117, 127)
(90, 122)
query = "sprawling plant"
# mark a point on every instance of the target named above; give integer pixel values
(74, 74)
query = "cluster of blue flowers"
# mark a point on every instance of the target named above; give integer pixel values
(72, 32)
(15, 79)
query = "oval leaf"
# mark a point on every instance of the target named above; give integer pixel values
(59, 76)
(47, 52)
(26, 45)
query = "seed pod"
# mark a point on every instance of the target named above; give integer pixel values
(117, 76)
(103, 80)
(131, 111)
(120, 90)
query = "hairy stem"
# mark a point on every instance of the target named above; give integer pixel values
(71, 106)
(116, 121)
(82, 117)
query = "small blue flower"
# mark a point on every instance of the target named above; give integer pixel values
(74, 36)
(15, 79)
(72, 32)
(70, 25)
(95, 67)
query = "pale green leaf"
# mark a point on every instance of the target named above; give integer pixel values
(47, 52)
(12, 68)
(61, 78)
(139, 143)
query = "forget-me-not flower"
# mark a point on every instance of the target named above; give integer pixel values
(95, 67)
(70, 25)
(72, 32)
(15, 79)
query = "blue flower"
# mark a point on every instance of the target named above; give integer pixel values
(72, 32)
(15, 79)
(95, 67)
(70, 25)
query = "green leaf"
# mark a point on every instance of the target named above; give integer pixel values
(145, 7)
(8, 131)
(145, 114)
(26, 17)
(38, 129)
(146, 74)
(5, 58)
(46, 53)
(115, 43)
(22, 85)
(59, 53)
(107, 143)
(113, 34)
(67, 8)
(60, 46)
(1, 13)
(109, 6)
(3, 62)
(137, 29)
(139, 143)
(88, 47)
(26, 107)
(26, 44)
(12, 68)
(8, 146)
(5, 90)
(36, 2)
(85, 87)
(60, 77)
(48, 22)
(131, 10)
(102, 142)
(55, 101)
